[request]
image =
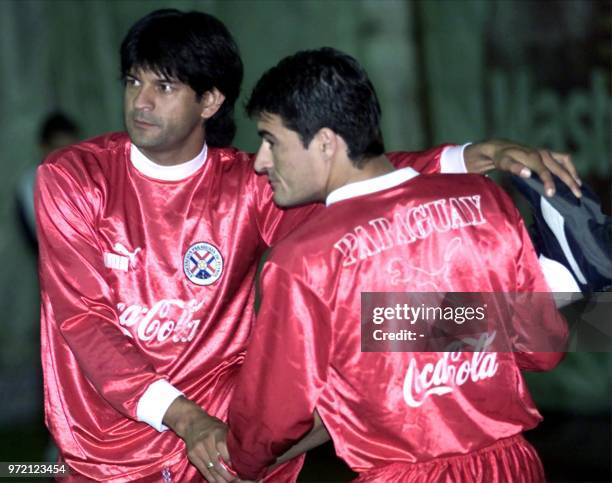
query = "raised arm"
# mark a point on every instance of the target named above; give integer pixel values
(520, 160)
(493, 154)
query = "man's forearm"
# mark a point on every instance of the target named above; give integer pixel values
(478, 157)
(181, 414)
(521, 160)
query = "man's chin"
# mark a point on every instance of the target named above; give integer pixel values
(281, 202)
(284, 202)
(142, 141)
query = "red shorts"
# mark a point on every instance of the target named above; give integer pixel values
(184, 472)
(511, 460)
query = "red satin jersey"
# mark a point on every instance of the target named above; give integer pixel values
(401, 232)
(145, 280)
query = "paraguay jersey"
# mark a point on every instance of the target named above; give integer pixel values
(401, 232)
(147, 284)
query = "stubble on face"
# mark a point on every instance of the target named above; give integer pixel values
(145, 130)
(295, 172)
(165, 118)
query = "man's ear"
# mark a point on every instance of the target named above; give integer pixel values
(211, 102)
(327, 141)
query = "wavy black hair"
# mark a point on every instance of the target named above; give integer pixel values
(194, 48)
(321, 88)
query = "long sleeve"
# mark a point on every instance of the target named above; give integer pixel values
(539, 332)
(283, 375)
(445, 158)
(77, 302)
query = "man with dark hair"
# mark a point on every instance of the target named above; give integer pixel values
(165, 43)
(393, 416)
(57, 130)
(149, 244)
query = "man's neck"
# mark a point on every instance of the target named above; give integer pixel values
(170, 172)
(172, 157)
(349, 173)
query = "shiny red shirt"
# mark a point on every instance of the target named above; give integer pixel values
(119, 253)
(306, 351)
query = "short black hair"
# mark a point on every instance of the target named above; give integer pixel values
(321, 88)
(194, 48)
(57, 123)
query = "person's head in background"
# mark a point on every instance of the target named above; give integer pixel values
(56, 131)
(182, 73)
(319, 117)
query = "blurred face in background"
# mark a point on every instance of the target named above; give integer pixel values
(58, 140)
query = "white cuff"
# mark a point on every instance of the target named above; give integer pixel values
(154, 403)
(451, 160)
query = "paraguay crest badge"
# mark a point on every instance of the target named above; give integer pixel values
(203, 264)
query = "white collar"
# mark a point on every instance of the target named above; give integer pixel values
(372, 185)
(166, 173)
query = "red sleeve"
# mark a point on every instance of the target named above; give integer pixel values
(76, 300)
(541, 342)
(538, 331)
(426, 162)
(283, 374)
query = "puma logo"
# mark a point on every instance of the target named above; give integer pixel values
(119, 248)
(122, 259)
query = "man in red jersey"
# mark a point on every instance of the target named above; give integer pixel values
(393, 416)
(149, 243)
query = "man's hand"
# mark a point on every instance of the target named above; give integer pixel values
(521, 160)
(204, 436)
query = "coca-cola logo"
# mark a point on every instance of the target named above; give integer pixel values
(450, 371)
(167, 319)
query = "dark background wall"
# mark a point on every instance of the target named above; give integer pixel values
(448, 70)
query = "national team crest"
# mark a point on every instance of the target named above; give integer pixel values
(203, 263)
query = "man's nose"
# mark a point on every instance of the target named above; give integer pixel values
(263, 158)
(144, 98)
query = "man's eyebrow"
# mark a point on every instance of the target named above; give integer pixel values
(166, 80)
(159, 77)
(263, 133)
